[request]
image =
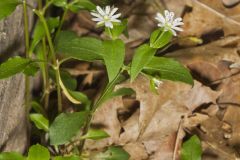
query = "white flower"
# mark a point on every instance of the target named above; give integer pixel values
(157, 83)
(168, 22)
(106, 16)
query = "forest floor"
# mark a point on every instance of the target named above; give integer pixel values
(154, 126)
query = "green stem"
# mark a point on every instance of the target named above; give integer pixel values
(26, 35)
(62, 21)
(46, 89)
(94, 107)
(46, 84)
(52, 52)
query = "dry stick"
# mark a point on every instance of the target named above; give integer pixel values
(177, 140)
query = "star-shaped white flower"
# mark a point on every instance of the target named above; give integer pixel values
(168, 22)
(106, 16)
(157, 83)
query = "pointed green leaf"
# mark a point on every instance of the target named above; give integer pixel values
(191, 149)
(39, 31)
(66, 126)
(38, 152)
(160, 38)
(60, 3)
(13, 66)
(113, 153)
(68, 80)
(117, 30)
(82, 48)
(7, 7)
(142, 56)
(11, 156)
(95, 134)
(37, 107)
(40, 121)
(31, 69)
(67, 158)
(81, 5)
(114, 53)
(169, 69)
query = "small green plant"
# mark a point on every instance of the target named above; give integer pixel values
(191, 149)
(52, 47)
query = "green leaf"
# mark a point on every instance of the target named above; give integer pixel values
(169, 69)
(11, 156)
(37, 107)
(39, 31)
(7, 7)
(40, 121)
(191, 149)
(67, 158)
(13, 66)
(82, 48)
(31, 69)
(114, 52)
(38, 152)
(68, 80)
(113, 153)
(142, 56)
(73, 96)
(66, 126)
(60, 3)
(81, 5)
(160, 38)
(95, 134)
(117, 30)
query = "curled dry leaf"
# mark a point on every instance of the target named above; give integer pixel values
(155, 122)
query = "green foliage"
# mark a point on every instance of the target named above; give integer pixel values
(7, 7)
(95, 134)
(82, 48)
(40, 121)
(31, 69)
(113, 153)
(38, 152)
(160, 38)
(114, 52)
(142, 56)
(13, 66)
(67, 158)
(118, 29)
(60, 3)
(169, 69)
(68, 80)
(191, 149)
(37, 107)
(11, 156)
(81, 5)
(39, 31)
(66, 126)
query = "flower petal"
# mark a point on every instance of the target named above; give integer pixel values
(97, 19)
(160, 18)
(100, 11)
(113, 11)
(109, 24)
(107, 9)
(116, 16)
(96, 15)
(177, 29)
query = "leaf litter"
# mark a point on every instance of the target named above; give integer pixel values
(154, 126)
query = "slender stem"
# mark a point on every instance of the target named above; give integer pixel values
(45, 75)
(26, 34)
(52, 52)
(94, 108)
(46, 84)
(62, 21)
